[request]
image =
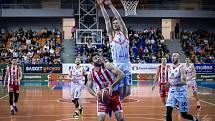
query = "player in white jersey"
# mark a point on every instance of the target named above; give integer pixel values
(162, 76)
(177, 90)
(119, 43)
(191, 80)
(14, 74)
(77, 76)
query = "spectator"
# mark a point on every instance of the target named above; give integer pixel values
(28, 46)
(198, 45)
(73, 30)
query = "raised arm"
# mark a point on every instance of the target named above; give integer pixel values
(106, 18)
(118, 17)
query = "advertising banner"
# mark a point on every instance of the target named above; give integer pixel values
(43, 68)
(205, 68)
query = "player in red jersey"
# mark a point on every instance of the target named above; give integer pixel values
(162, 76)
(14, 74)
(105, 76)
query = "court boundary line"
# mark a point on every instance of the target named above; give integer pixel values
(204, 101)
(95, 106)
(207, 88)
(123, 117)
(92, 115)
(137, 100)
(3, 97)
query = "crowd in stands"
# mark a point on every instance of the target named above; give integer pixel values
(31, 47)
(146, 46)
(199, 45)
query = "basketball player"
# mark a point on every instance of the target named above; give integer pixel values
(77, 73)
(177, 90)
(14, 74)
(191, 81)
(119, 43)
(162, 76)
(105, 76)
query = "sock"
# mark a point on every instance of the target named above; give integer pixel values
(11, 107)
(198, 103)
(194, 119)
(14, 104)
(79, 107)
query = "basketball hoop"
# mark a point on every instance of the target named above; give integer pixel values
(130, 7)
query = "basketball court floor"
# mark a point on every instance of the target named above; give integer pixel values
(44, 104)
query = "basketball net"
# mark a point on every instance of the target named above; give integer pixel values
(130, 7)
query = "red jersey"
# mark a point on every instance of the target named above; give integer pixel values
(163, 73)
(13, 75)
(103, 77)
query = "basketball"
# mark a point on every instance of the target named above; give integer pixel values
(103, 95)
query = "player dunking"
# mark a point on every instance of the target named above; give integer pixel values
(177, 90)
(191, 80)
(14, 74)
(162, 76)
(105, 76)
(77, 73)
(119, 43)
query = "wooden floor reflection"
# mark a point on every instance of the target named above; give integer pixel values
(41, 104)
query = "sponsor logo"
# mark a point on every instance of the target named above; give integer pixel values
(204, 68)
(32, 77)
(135, 68)
(43, 68)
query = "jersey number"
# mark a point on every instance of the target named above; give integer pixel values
(184, 103)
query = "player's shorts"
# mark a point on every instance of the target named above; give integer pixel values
(192, 84)
(13, 88)
(75, 90)
(178, 96)
(126, 69)
(112, 104)
(163, 90)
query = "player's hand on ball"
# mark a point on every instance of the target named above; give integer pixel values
(107, 2)
(100, 1)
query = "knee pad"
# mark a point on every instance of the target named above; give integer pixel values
(75, 101)
(185, 115)
(169, 110)
(169, 113)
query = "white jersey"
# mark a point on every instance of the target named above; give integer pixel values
(120, 48)
(189, 73)
(174, 77)
(77, 74)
